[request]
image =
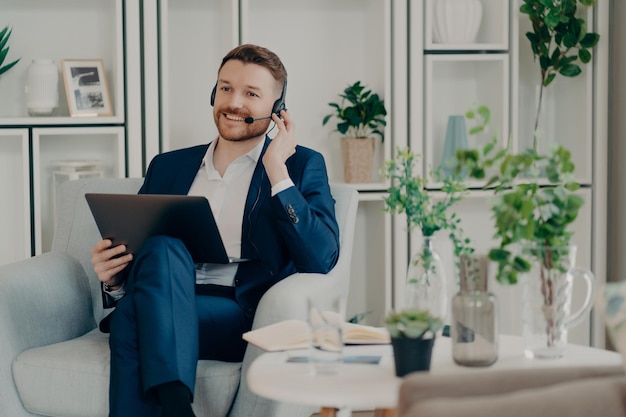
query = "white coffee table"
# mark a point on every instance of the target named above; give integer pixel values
(375, 387)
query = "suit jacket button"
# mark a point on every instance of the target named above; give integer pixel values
(237, 281)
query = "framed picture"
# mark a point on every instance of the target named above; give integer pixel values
(86, 87)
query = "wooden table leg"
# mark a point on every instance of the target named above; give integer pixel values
(328, 412)
(385, 412)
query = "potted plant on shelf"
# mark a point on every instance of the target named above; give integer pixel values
(361, 115)
(412, 333)
(533, 215)
(426, 283)
(5, 34)
(558, 40)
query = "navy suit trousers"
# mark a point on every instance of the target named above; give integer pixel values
(162, 326)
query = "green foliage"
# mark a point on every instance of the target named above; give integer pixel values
(558, 40)
(409, 194)
(5, 34)
(360, 112)
(412, 324)
(535, 202)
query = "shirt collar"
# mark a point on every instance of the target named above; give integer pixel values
(207, 162)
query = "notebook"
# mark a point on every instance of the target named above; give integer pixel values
(132, 218)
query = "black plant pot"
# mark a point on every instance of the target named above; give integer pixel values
(412, 355)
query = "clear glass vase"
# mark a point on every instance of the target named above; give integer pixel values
(474, 328)
(547, 299)
(426, 284)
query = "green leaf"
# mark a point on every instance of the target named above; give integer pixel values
(570, 70)
(584, 55)
(590, 40)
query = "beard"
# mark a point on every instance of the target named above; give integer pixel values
(243, 132)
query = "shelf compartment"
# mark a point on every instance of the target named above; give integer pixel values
(51, 145)
(453, 84)
(493, 34)
(92, 29)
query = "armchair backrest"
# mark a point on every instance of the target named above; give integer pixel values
(76, 231)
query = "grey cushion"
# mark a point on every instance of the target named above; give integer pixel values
(49, 377)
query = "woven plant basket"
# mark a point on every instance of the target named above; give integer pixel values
(358, 159)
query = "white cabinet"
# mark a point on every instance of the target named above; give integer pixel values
(32, 146)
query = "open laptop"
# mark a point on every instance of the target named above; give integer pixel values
(132, 218)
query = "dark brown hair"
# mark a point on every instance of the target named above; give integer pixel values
(254, 54)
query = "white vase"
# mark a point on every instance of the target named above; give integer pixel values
(456, 21)
(42, 87)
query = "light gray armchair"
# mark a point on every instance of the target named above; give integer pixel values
(55, 362)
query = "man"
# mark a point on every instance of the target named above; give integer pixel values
(273, 206)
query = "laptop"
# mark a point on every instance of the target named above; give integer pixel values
(131, 218)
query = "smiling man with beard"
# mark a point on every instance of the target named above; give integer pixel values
(273, 206)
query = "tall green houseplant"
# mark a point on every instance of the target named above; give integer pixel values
(558, 40)
(5, 34)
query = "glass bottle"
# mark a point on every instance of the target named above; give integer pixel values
(474, 328)
(426, 285)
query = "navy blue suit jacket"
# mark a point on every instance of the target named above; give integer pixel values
(293, 231)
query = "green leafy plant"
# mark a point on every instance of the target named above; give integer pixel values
(5, 34)
(535, 201)
(412, 324)
(360, 113)
(408, 194)
(558, 40)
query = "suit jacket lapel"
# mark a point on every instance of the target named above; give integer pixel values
(188, 170)
(258, 192)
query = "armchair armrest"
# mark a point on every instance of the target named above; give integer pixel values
(284, 300)
(43, 300)
(287, 299)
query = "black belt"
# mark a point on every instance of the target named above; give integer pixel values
(216, 290)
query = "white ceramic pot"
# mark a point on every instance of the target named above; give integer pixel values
(42, 87)
(456, 21)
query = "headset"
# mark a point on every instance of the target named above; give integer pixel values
(276, 108)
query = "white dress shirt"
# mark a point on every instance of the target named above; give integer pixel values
(227, 197)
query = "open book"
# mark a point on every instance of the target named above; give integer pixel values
(294, 334)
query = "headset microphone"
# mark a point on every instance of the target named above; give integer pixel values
(250, 120)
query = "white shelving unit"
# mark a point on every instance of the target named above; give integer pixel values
(498, 70)
(69, 29)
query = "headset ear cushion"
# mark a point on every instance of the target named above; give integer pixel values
(278, 106)
(280, 103)
(213, 95)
